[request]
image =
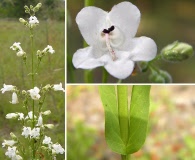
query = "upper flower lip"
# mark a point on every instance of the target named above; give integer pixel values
(110, 36)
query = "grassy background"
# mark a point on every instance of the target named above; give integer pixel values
(12, 71)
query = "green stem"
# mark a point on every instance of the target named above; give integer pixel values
(88, 76)
(32, 76)
(125, 157)
(122, 94)
(105, 76)
(89, 3)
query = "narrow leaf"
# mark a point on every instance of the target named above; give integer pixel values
(139, 114)
(112, 128)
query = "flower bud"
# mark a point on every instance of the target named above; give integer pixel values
(13, 136)
(44, 148)
(23, 21)
(23, 92)
(37, 7)
(160, 77)
(177, 52)
(31, 7)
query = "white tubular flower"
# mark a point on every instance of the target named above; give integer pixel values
(21, 116)
(57, 148)
(11, 115)
(35, 133)
(46, 113)
(8, 143)
(40, 121)
(34, 93)
(26, 132)
(30, 115)
(49, 49)
(11, 152)
(33, 20)
(111, 40)
(50, 126)
(7, 88)
(14, 98)
(58, 87)
(16, 46)
(47, 140)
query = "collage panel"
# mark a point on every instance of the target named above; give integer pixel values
(164, 129)
(32, 80)
(130, 41)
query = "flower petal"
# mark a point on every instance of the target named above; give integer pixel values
(84, 58)
(91, 22)
(125, 16)
(121, 68)
(144, 49)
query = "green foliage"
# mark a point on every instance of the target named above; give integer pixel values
(138, 117)
(79, 140)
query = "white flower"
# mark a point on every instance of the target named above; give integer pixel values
(33, 20)
(21, 116)
(46, 113)
(40, 121)
(26, 131)
(110, 36)
(14, 98)
(11, 152)
(34, 93)
(7, 88)
(50, 126)
(49, 49)
(57, 148)
(8, 143)
(47, 140)
(35, 132)
(30, 115)
(58, 87)
(20, 53)
(16, 46)
(11, 115)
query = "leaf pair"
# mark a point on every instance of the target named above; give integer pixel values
(125, 124)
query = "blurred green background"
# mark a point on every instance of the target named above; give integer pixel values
(171, 130)
(164, 21)
(50, 31)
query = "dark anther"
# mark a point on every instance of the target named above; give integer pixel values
(108, 30)
(111, 29)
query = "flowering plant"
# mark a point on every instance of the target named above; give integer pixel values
(33, 129)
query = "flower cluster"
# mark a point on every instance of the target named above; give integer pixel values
(49, 49)
(16, 47)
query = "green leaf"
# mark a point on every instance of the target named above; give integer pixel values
(115, 106)
(112, 128)
(139, 114)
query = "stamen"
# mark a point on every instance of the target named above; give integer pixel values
(109, 47)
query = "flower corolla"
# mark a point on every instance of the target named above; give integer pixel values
(111, 40)
(34, 93)
(7, 88)
(14, 98)
(58, 87)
